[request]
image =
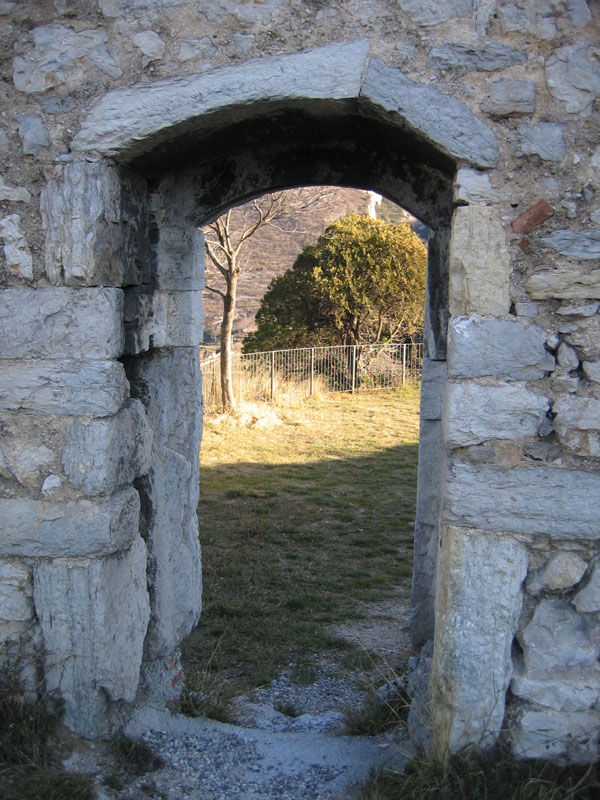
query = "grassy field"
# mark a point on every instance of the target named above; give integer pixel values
(304, 518)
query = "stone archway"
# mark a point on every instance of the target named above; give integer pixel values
(153, 161)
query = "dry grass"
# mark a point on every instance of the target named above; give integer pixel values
(303, 520)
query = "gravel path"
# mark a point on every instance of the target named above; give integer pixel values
(267, 754)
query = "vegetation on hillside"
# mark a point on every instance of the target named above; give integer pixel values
(363, 281)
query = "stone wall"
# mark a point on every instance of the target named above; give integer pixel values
(126, 124)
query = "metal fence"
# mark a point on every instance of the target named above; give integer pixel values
(289, 376)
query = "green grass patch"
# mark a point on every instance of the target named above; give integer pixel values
(301, 524)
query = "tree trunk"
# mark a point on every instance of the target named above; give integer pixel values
(227, 396)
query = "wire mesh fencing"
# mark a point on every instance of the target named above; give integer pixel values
(287, 377)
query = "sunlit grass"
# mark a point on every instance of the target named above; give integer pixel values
(301, 524)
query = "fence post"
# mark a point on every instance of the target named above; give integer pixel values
(404, 364)
(312, 371)
(272, 375)
(353, 368)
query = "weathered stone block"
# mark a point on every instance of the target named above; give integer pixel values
(429, 14)
(91, 215)
(479, 263)
(573, 78)
(530, 310)
(506, 349)
(560, 503)
(532, 217)
(422, 604)
(562, 571)
(573, 244)
(163, 319)
(169, 385)
(16, 591)
(475, 413)
(577, 423)
(591, 370)
(509, 98)
(16, 250)
(122, 116)
(587, 599)
(473, 187)
(567, 357)
(103, 455)
(441, 119)
(93, 633)
(544, 139)
(62, 56)
(61, 323)
(180, 257)
(430, 465)
(487, 58)
(560, 667)
(564, 284)
(578, 309)
(40, 528)
(68, 387)
(553, 735)
(33, 133)
(585, 338)
(174, 550)
(433, 386)
(472, 663)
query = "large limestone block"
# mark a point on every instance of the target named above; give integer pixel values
(564, 284)
(174, 551)
(479, 263)
(437, 117)
(433, 384)
(103, 455)
(180, 256)
(560, 503)
(63, 387)
(94, 616)
(478, 602)
(61, 323)
(125, 117)
(577, 423)
(162, 319)
(554, 735)
(506, 349)
(475, 412)
(44, 529)
(92, 219)
(169, 385)
(559, 668)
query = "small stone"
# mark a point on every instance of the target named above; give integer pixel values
(530, 310)
(16, 250)
(573, 244)
(564, 382)
(433, 13)
(3, 142)
(196, 48)
(552, 341)
(577, 423)
(509, 98)
(15, 593)
(57, 105)
(587, 600)
(574, 78)
(50, 485)
(151, 45)
(591, 370)
(488, 58)
(532, 217)
(542, 451)
(243, 42)
(33, 132)
(562, 571)
(585, 338)
(18, 194)
(578, 309)
(545, 139)
(567, 357)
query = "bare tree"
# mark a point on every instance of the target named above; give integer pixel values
(224, 243)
